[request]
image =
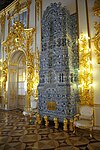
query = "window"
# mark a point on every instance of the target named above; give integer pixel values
(22, 18)
(21, 83)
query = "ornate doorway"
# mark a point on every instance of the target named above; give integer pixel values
(20, 68)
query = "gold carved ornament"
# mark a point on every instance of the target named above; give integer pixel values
(29, 65)
(85, 71)
(15, 40)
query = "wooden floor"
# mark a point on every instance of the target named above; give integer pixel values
(17, 134)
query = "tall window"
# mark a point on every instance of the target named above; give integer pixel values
(21, 78)
(22, 19)
(21, 83)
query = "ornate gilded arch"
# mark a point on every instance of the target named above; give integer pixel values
(20, 39)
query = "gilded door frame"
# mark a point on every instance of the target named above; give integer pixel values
(19, 39)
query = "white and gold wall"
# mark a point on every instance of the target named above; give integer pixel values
(18, 36)
(87, 19)
(90, 39)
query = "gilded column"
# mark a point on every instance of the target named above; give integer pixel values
(29, 67)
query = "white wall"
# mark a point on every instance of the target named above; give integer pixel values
(96, 68)
(82, 16)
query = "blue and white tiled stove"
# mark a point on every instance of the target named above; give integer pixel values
(58, 91)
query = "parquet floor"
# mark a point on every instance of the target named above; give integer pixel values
(17, 134)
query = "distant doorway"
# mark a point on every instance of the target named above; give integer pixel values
(16, 80)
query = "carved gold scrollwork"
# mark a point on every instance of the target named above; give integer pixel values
(85, 71)
(16, 38)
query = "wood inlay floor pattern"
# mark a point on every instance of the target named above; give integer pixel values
(17, 134)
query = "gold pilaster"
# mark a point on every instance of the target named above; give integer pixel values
(29, 66)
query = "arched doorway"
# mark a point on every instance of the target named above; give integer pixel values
(17, 80)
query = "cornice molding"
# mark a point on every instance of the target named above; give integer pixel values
(15, 7)
(9, 7)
